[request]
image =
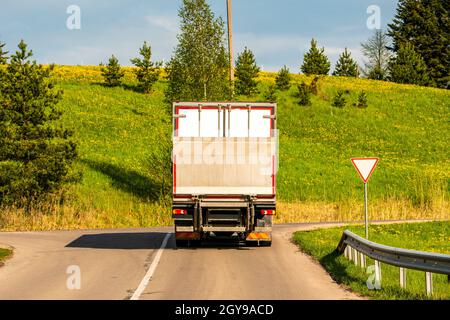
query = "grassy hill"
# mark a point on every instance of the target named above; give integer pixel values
(116, 129)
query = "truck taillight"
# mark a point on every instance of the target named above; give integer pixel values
(179, 212)
(268, 212)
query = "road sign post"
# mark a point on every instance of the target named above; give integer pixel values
(366, 210)
(365, 168)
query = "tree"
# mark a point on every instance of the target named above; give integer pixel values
(246, 73)
(112, 73)
(362, 100)
(283, 80)
(304, 94)
(375, 50)
(3, 54)
(148, 71)
(199, 68)
(339, 100)
(426, 25)
(315, 61)
(346, 66)
(408, 67)
(35, 151)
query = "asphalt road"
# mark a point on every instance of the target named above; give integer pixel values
(131, 264)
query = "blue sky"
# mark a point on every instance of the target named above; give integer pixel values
(278, 31)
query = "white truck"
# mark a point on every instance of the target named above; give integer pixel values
(225, 160)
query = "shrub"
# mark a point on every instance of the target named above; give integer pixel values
(339, 100)
(362, 100)
(304, 94)
(314, 86)
(160, 163)
(270, 93)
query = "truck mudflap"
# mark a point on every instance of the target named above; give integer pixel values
(259, 236)
(187, 236)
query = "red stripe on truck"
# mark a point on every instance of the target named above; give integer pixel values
(273, 174)
(174, 174)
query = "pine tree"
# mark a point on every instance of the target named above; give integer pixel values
(148, 71)
(283, 80)
(408, 67)
(339, 100)
(112, 73)
(315, 61)
(35, 151)
(3, 54)
(362, 100)
(426, 25)
(375, 50)
(246, 72)
(199, 68)
(304, 94)
(346, 66)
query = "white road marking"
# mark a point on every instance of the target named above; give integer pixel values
(145, 281)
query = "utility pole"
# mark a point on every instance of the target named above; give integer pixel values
(230, 46)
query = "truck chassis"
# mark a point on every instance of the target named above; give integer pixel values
(244, 218)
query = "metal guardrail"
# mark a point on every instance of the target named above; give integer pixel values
(357, 248)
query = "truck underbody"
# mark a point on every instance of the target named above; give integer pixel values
(245, 219)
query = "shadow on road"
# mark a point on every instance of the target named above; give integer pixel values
(150, 240)
(121, 241)
(214, 244)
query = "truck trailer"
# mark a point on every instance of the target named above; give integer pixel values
(225, 160)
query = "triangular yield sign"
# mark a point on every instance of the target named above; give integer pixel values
(365, 167)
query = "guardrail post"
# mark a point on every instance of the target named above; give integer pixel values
(378, 272)
(403, 278)
(355, 257)
(346, 252)
(363, 260)
(429, 283)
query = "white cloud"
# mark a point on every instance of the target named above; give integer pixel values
(167, 23)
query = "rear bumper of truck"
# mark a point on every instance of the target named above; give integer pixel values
(245, 218)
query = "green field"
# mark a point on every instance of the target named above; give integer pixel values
(116, 129)
(430, 237)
